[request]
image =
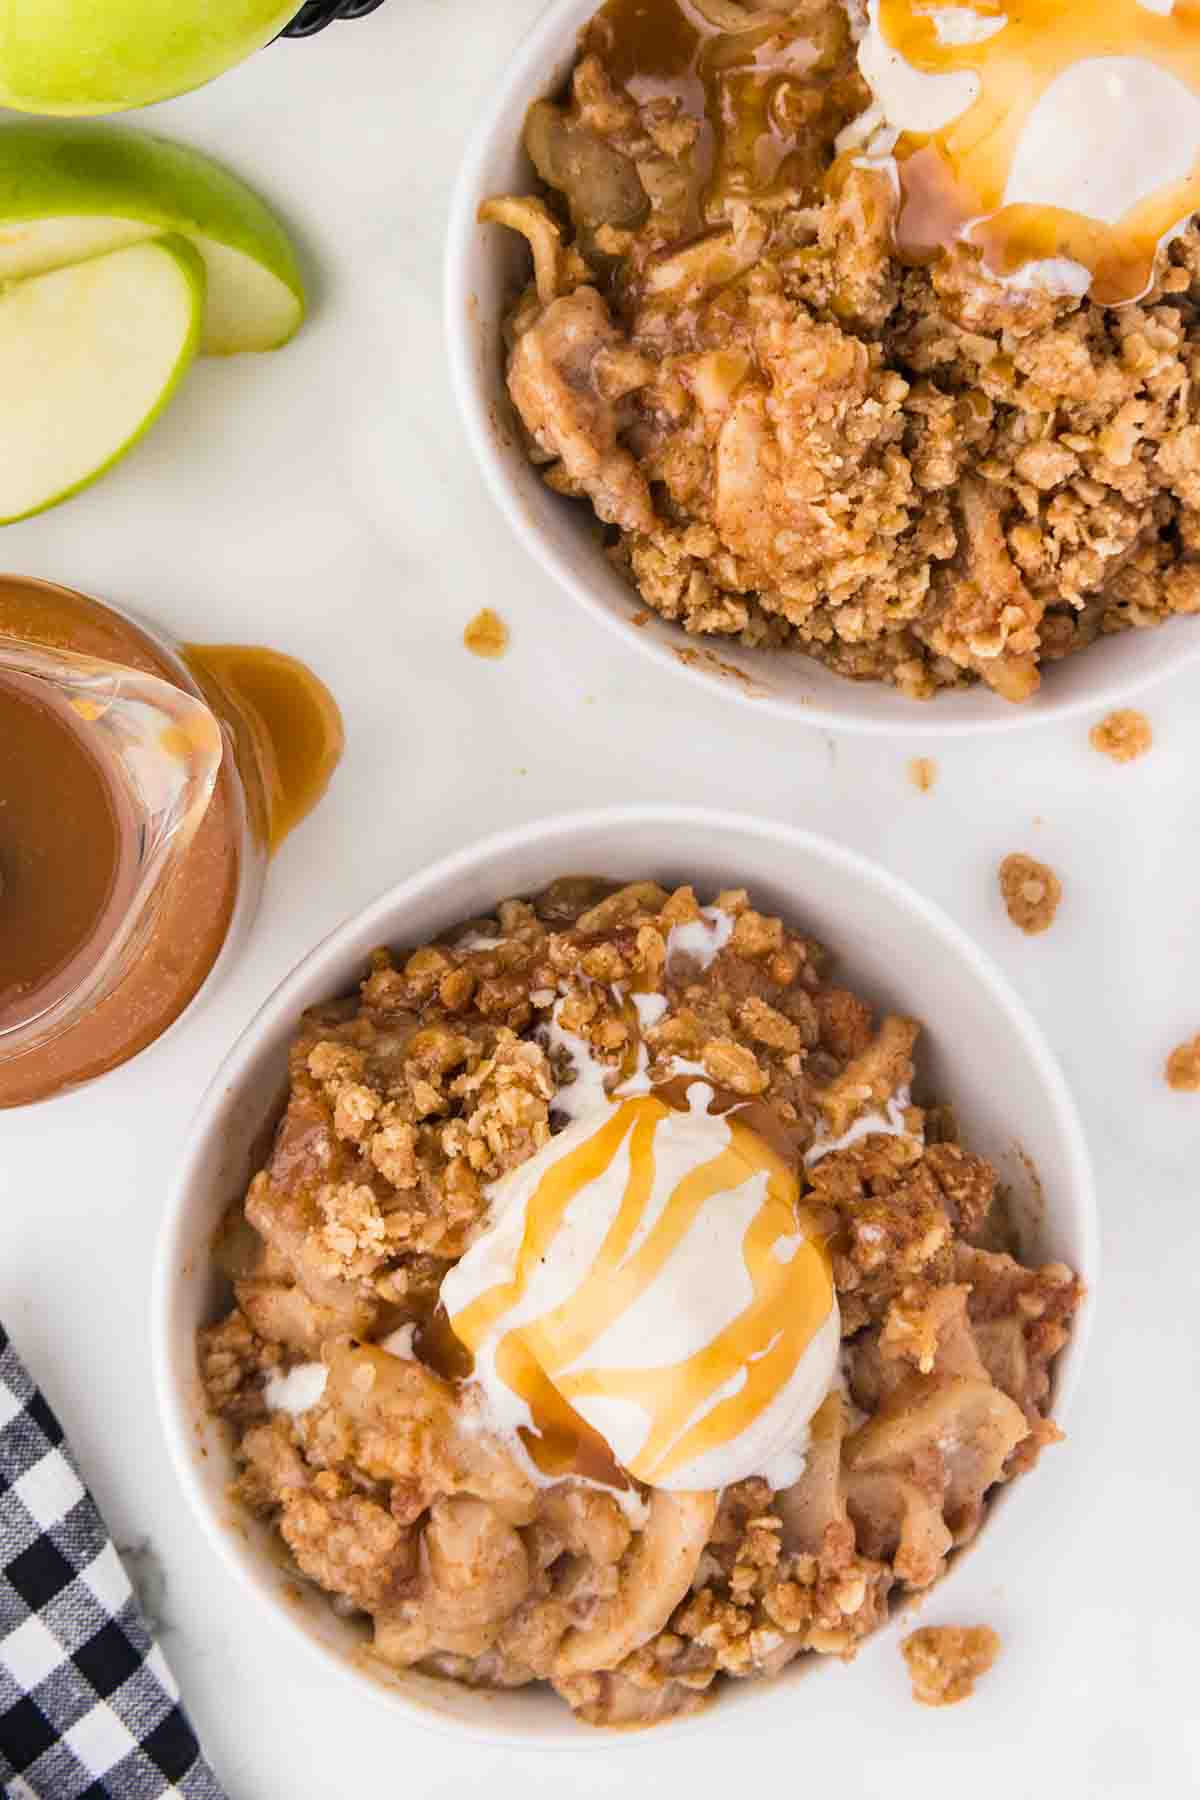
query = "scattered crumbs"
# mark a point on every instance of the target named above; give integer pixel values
(945, 1661)
(1124, 735)
(1183, 1067)
(922, 772)
(1031, 891)
(640, 619)
(487, 634)
(712, 664)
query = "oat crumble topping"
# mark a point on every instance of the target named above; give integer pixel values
(1032, 892)
(405, 1100)
(486, 635)
(1123, 735)
(1183, 1067)
(945, 1661)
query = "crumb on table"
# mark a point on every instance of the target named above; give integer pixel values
(945, 1661)
(922, 772)
(487, 634)
(1123, 735)
(1032, 892)
(1183, 1067)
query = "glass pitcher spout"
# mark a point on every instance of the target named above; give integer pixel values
(156, 752)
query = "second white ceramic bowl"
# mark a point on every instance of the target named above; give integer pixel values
(486, 267)
(981, 1049)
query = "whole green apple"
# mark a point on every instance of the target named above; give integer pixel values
(97, 56)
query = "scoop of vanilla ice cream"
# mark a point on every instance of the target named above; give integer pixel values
(1106, 134)
(656, 1267)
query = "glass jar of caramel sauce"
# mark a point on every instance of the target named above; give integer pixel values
(143, 788)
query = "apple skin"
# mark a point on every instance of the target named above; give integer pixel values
(53, 169)
(191, 265)
(99, 56)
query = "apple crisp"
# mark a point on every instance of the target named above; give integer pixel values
(795, 440)
(351, 1402)
(945, 1661)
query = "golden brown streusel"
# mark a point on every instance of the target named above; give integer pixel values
(1183, 1067)
(486, 634)
(1032, 892)
(945, 1661)
(1123, 735)
(392, 1493)
(916, 475)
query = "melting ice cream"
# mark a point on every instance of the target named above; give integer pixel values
(652, 1273)
(1062, 137)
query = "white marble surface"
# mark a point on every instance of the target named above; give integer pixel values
(320, 501)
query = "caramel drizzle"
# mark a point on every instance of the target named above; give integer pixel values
(766, 1340)
(960, 172)
(733, 83)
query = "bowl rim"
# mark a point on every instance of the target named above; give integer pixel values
(174, 1247)
(535, 53)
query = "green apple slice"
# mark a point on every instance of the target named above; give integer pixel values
(89, 356)
(95, 56)
(68, 192)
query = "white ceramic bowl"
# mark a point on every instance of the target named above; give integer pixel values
(486, 266)
(982, 1049)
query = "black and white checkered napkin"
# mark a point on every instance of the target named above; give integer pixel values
(89, 1709)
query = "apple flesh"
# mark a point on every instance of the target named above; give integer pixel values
(89, 356)
(78, 56)
(69, 192)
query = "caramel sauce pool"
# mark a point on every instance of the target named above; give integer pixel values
(284, 721)
(960, 172)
